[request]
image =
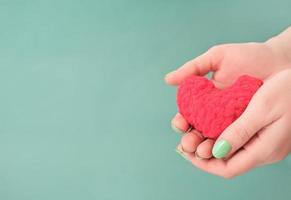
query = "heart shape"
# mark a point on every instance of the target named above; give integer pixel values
(210, 110)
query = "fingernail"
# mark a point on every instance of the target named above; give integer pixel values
(197, 156)
(221, 149)
(181, 154)
(176, 129)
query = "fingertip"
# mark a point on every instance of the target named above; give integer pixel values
(176, 77)
(221, 148)
(179, 124)
(177, 130)
(190, 142)
(204, 150)
(170, 78)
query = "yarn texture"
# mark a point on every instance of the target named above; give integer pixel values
(210, 110)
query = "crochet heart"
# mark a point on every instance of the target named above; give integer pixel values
(210, 110)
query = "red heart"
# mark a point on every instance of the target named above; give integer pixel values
(209, 109)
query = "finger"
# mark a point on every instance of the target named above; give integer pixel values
(256, 116)
(200, 66)
(204, 149)
(179, 124)
(254, 153)
(212, 165)
(190, 141)
(242, 162)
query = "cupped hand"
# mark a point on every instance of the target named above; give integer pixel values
(260, 136)
(227, 62)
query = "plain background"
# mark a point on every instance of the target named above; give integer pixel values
(84, 111)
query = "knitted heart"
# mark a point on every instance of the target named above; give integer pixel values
(209, 109)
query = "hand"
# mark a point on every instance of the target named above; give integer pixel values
(227, 62)
(260, 136)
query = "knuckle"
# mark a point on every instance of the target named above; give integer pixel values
(265, 101)
(242, 132)
(217, 53)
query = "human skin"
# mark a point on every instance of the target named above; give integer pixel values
(262, 134)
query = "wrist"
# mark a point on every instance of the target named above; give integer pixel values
(280, 46)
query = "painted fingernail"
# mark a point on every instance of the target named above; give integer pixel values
(177, 130)
(221, 149)
(181, 154)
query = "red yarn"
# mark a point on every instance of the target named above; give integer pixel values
(209, 109)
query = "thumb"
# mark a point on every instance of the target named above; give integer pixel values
(200, 66)
(255, 117)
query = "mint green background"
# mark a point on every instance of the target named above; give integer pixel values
(84, 111)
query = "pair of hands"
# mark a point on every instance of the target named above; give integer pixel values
(262, 134)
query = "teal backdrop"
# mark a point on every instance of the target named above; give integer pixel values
(84, 111)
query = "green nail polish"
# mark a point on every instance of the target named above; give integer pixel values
(176, 129)
(181, 154)
(221, 149)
